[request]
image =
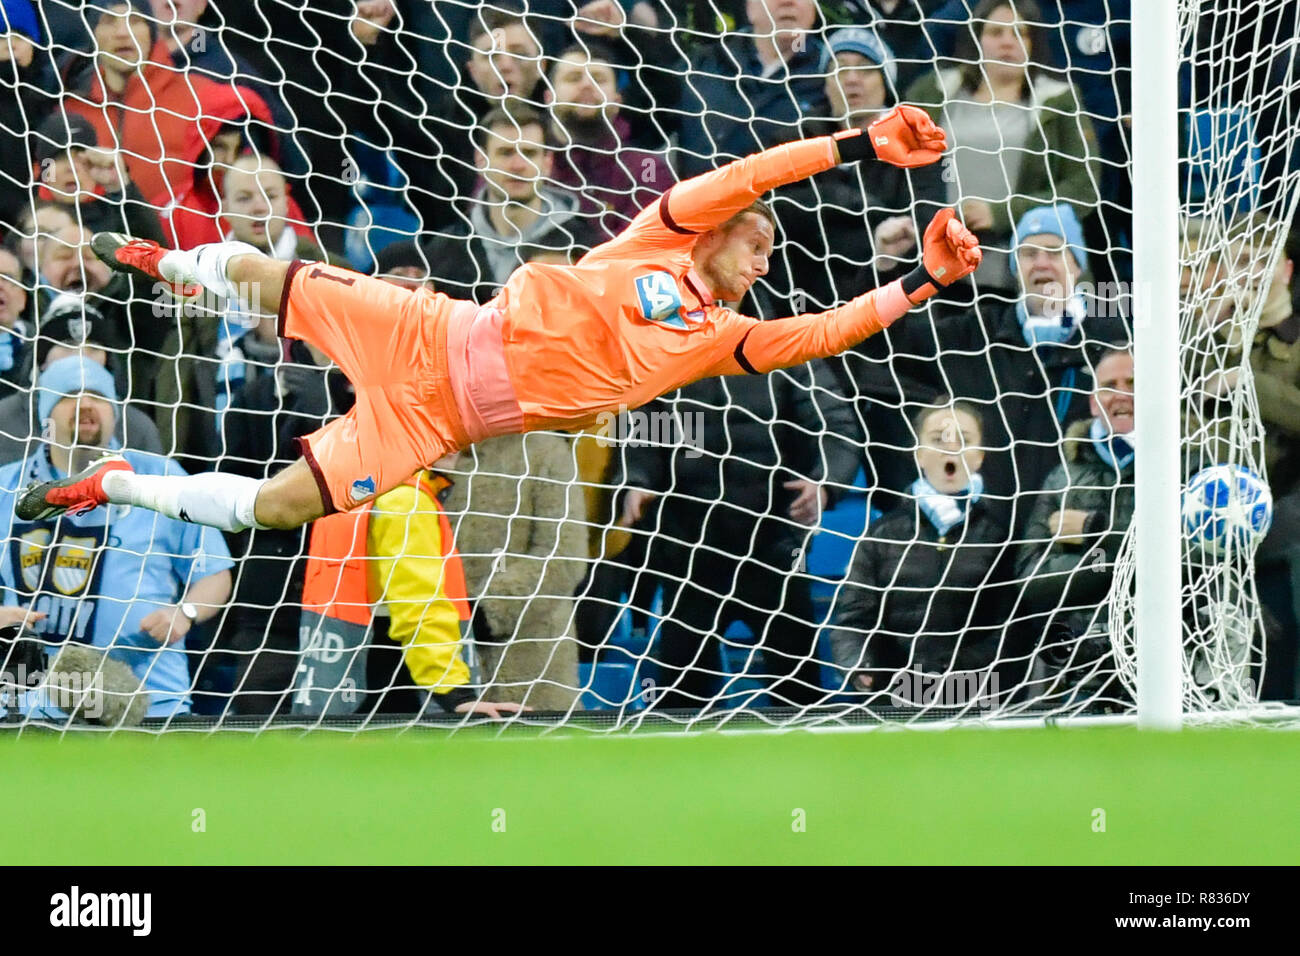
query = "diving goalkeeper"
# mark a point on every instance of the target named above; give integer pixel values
(636, 317)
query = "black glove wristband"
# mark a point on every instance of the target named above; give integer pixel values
(916, 280)
(854, 149)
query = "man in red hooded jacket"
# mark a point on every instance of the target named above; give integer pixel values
(234, 117)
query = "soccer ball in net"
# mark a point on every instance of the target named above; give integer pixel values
(1226, 507)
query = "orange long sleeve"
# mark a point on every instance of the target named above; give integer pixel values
(782, 343)
(710, 199)
(692, 207)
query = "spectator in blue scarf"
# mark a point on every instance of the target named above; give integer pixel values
(922, 598)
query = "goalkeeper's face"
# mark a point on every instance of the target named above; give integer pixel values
(732, 257)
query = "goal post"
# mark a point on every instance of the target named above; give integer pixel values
(1157, 604)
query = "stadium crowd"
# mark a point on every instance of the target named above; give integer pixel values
(987, 439)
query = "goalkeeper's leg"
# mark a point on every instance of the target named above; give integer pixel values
(229, 502)
(234, 270)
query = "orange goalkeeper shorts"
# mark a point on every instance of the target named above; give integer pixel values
(391, 343)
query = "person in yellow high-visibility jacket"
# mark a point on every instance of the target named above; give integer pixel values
(395, 558)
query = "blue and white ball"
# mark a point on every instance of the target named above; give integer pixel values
(1226, 507)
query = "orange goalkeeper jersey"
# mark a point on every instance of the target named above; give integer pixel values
(632, 320)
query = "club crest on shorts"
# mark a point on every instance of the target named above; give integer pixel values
(659, 299)
(363, 489)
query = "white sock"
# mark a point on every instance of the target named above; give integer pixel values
(216, 499)
(206, 265)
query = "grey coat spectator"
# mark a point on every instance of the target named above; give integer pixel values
(1073, 538)
(1274, 356)
(519, 522)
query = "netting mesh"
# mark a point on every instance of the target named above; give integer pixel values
(932, 526)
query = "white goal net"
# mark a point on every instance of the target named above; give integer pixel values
(933, 526)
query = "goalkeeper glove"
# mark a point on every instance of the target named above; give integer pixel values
(905, 137)
(949, 252)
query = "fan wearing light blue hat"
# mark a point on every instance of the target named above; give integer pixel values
(1049, 259)
(861, 75)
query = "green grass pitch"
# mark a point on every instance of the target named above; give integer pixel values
(970, 796)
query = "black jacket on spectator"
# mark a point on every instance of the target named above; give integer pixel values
(346, 93)
(1028, 396)
(1065, 587)
(1075, 578)
(915, 600)
(24, 103)
(133, 330)
(754, 432)
(263, 421)
(724, 546)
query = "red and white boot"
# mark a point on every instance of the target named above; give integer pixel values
(75, 494)
(141, 258)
